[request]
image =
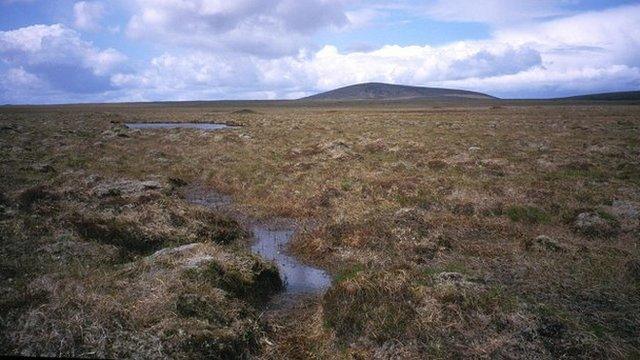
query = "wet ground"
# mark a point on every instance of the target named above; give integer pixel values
(271, 244)
(271, 241)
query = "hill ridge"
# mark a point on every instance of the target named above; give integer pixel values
(384, 91)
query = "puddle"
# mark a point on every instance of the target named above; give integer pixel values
(271, 244)
(197, 126)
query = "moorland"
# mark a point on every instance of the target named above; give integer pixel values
(463, 229)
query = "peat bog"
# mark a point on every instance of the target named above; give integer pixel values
(449, 230)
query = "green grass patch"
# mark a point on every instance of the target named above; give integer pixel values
(349, 273)
(527, 214)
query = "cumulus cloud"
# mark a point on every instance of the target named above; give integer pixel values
(57, 56)
(88, 15)
(251, 49)
(581, 53)
(544, 83)
(265, 28)
(231, 77)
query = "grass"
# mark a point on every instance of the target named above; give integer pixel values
(419, 210)
(528, 214)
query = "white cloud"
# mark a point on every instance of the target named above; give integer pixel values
(19, 78)
(267, 28)
(215, 49)
(581, 53)
(601, 37)
(58, 56)
(88, 15)
(207, 75)
(545, 83)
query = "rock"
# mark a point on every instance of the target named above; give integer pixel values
(474, 149)
(544, 243)
(592, 224)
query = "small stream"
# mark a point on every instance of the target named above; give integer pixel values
(299, 278)
(271, 243)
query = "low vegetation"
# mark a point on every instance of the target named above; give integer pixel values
(451, 231)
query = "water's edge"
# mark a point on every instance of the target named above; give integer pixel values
(270, 242)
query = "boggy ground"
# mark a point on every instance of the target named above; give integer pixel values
(505, 231)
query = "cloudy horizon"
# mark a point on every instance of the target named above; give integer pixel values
(171, 50)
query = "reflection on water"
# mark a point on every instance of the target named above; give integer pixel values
(198, 126)
(299, 278)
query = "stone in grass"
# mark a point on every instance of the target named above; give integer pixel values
(594, 225)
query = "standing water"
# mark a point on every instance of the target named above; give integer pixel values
(271, 243)
(298, 278)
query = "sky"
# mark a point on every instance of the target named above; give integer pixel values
(66, 51)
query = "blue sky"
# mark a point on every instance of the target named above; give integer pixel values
(148, 50)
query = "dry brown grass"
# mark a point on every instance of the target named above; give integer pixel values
(452, 232)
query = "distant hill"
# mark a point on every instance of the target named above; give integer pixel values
(381, 91)
(613, 96)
